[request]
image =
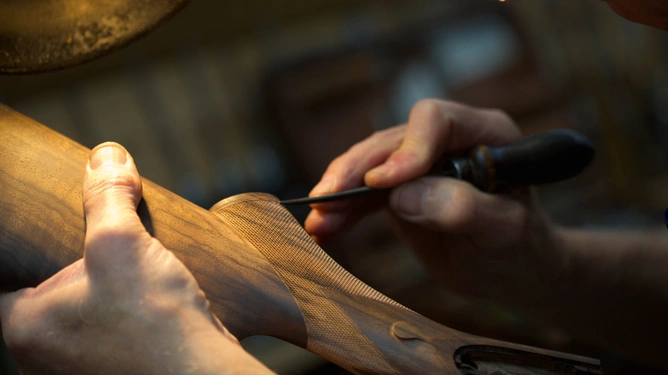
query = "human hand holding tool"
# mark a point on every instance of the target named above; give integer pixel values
(552, 156)
(467, 237)
(500, 247)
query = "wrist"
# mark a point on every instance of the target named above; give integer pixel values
(207, 350)
(187, 341)
(213, 353)
(541, 271)
(570, 285)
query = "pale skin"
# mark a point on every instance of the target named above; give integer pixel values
(131, 307)
(128, 307)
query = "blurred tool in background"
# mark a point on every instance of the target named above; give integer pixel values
(261, 95)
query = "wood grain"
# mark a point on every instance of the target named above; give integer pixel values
(259, 268)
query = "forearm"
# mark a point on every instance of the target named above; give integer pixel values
(218, 355)
(195, 346)
(614, 291)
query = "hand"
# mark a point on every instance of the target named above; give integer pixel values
(496, 247)
(128, 307)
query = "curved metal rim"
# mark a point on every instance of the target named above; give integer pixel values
(42, 48)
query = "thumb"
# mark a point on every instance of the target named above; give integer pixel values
(111, 193)
(455, 206)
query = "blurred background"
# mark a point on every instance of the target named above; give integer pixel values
(237, 96)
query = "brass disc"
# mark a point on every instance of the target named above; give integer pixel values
(42, 35)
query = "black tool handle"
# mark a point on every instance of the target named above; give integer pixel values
(547, 157)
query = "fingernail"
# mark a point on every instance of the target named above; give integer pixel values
(323, 187)
(107, 153)
(408, 199)
(382, 169)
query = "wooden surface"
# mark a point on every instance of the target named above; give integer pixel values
(259, 268)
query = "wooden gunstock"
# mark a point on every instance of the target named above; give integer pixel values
(258, 267)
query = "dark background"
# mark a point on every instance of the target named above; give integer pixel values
(231, 97)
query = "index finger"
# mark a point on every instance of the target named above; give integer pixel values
(435, 128)
(347, 171)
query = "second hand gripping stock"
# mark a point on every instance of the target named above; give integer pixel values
(260, 270)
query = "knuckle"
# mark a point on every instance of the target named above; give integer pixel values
(176, 277)
(109, 178)
(109, 181)
(201, 301)
(431, 109)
